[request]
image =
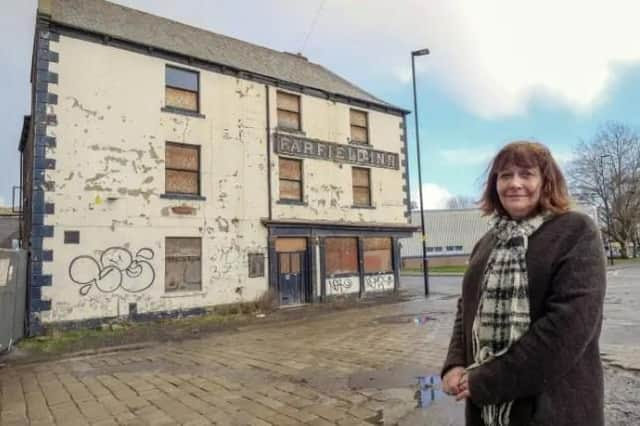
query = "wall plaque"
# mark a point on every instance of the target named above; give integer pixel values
(298, 146)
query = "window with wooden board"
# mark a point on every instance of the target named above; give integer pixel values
(182, 169)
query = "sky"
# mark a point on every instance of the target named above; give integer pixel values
(499, 70)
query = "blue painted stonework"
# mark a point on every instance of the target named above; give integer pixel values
(42, 120)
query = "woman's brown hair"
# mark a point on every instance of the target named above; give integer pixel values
(554, 196)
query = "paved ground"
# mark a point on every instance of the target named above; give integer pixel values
(355, 367)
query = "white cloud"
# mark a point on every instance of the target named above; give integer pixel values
(562, 157)
(495, 56)
(435, 196)
(3, 202)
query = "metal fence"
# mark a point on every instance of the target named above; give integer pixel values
(13, 281)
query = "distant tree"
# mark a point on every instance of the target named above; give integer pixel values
(461, 202)
(606, 171)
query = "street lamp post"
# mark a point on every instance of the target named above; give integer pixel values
(425, 261)
(606, 207)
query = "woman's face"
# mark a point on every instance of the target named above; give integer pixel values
(519, 190)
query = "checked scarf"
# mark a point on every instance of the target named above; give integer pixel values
(503, 311)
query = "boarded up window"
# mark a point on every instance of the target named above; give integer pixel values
(291, 244)
(290, 263)
(377, 255)
(182, 163)
(290, 179)
(361, 187)
(256, 265)
(288, 111)
(359, 126)
(183, 267)
(341, 256)
(181, 89)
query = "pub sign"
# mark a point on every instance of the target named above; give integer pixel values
(299, 146)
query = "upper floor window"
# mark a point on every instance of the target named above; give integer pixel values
(361, 182)
(290, 179)
(182, 89)
(182, 169)
(289, 111)
(359, 126)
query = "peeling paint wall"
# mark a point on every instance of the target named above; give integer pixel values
(110, 213)
(109, 176)
(327, 185)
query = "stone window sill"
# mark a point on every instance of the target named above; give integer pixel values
(173, 196)
(178, 293)
(290, 130)
(181, 111)
(292, 202)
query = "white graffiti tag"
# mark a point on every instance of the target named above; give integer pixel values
(378, 282)
(117, 268)
(342, 285)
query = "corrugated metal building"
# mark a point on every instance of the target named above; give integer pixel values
(451, 235)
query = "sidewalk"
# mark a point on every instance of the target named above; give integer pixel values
(349, 367)
(341, 367)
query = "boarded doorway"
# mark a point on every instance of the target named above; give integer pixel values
(293, 270)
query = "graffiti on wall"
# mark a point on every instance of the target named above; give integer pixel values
(117, 268)
(343, 285)
(380, 282)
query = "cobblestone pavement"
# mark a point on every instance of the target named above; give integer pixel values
(354, 367)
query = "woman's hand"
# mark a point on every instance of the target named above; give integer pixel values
(463, 387)
(451, 380)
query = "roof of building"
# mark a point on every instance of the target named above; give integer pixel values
(452, 227)
(127, 24)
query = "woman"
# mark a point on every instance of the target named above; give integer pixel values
(524, 349)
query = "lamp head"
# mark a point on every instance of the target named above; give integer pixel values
(420, 52)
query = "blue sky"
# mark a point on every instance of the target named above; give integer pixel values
(499, 70)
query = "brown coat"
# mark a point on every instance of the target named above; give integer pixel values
(553, 372)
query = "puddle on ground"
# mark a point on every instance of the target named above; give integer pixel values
(403, 376)
(398, 386)
(418, 319)
(429, 390)
(422, 319)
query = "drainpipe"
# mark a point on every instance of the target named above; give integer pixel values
(266, 86)
(270, 284)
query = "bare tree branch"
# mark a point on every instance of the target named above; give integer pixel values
(606, 171)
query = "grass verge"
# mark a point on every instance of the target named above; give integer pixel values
(452, 269)
(118, 332)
